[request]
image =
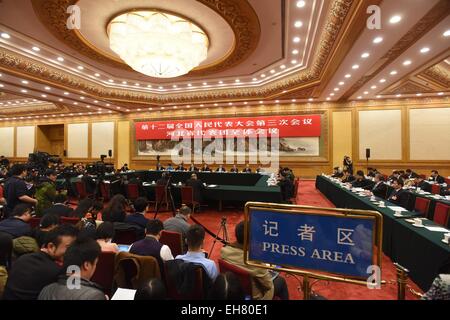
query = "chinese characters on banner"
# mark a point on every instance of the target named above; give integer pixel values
(335, 244)
(283, 126)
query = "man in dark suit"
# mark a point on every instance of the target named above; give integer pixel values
(419, 182)
(395, 175)
(435, 177)
(337, 173)
(163, 180)
(180, 167)
(159, 167)
(348, 177)
(192, 167)
(221, 168)
(398, 195)
(59, 207)
(234, 169)
(197, 187)
(206, 168)
(380, 188)
(286, 187)
(411, 174)
(361, 181)
(247, 169)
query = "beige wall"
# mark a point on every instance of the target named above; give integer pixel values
(342, 136)
(102, 138)
(77, 140)
(123, 143)
(7, 141)
(25, 139)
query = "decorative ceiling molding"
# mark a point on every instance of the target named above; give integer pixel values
(429, 21)
(407, 87)
(336, 30)
(239, 14)
(437, 74)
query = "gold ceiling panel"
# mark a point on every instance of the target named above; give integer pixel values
(239, 14)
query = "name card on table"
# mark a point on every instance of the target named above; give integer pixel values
(338, 244)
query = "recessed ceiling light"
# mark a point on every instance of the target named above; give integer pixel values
(336, 89)
(60, 59)
(88, 106)
(348, 75)
(82, 98)
(80, 67)
(237, 80)
(43, 95)
(296, 39)
(149, 86)
(111, 80)
(310, 99)
(24, 81)
(137, 84)
(175, 107)
(407, 62)
(66, 93)
(205, 83)
(332, 94)
(272, 71)
(188, 106)
(150, 109)
(398, 95)
(4, 35)
(277, 101)
(424, 50)
(298, 24)
(230, 103)
(445, 34)
(48, 88)
(359, 97)
(295, 51)
(245, 102)
(328, 99)
(365, 55)
(373, 87)
(118, 108)
(215, 104)
(189, 85)
(366, 92)
(124, 82)
(301, 4)
(161, 87)
(60, 100)
(395, 19)
(36, 49)
(393, 72)
(260, 102)
(107, 104)
(97, 75)
(377, 40)
(355, 66)
(220, 82)
(378, 96)
(294, 61)
(174, 86)
(23, 91)
(263, 75)
(255, 79)
(418, 94)
(440, 94)
(75, 103)
(341, 83)
(382, 80)
(282, 66)
(202, 105)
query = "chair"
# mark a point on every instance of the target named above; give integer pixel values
(127, 236)
(435, 189)
(447, 181)
(104, 272)
(69, 220)
(441, 214)
(34, 222)
(174, 240)
(132, 191)
(422, 205)
(296, 184)
(197, 293)
(105, 191)
(187, 197)
(131, 271)
(243, 275)
(81, 189)
(422, 176)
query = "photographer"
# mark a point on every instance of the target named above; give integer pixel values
(46, 192)
(348, 164)
(16, 191)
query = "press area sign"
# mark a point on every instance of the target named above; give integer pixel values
(337, 244)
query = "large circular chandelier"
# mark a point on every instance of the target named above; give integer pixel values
(156, 43)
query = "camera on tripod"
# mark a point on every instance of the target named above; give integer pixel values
(40, 161)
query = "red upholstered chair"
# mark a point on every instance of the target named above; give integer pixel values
(243, 275)
(424, 177)
(34, 222)
(105, 190)
(196, 294)
(81, 189)
(422, 205)
(69, 220)
(441, 214)
(174, 240)
(132, 191)
(187, 197)
(435, 189)
(104, 272)
(128, 236)
(447, 181)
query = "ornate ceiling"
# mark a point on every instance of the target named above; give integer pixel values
(272, 51)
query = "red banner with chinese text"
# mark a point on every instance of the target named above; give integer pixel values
(283, 126)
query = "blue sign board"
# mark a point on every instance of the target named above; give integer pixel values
(338, 244)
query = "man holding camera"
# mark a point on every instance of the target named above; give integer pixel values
(46, 192)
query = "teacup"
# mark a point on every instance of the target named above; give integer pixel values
(418, 221)
(447, 237)
(399, 213)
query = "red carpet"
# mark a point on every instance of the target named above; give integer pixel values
(307, 195)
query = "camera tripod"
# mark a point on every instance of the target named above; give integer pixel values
(223, 229)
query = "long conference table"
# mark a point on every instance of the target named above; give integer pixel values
(220, 186)
(418, 249)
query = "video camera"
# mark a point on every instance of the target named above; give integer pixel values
(99, 168)
(40, 160)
